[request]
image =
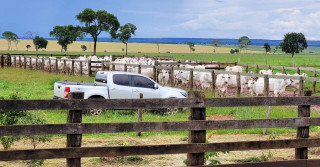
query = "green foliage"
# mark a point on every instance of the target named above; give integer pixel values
(236, 50)
(10, 36)
(66, 35)
(216, 43)
(10, 118)
(250, 159)
(28, 46)
(40, 42)
(34, 163)
(267, 47)
(232, 51)
(125, 33)
(97, 22)
(84, 47)
(244, 42)
(293, 43)
(275, 49)
(191, 46)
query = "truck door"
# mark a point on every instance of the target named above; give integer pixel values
(145, 86)
(120, 88)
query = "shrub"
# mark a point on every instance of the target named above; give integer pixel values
(232, 51)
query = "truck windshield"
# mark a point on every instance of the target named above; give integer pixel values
(101, 78)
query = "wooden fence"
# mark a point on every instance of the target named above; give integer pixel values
(21, 62)
(197, 126)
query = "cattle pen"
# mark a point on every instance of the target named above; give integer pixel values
(88, 68)
(197, 125)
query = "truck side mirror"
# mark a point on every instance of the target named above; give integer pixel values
(155, 86)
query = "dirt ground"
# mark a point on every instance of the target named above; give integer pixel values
(164, 160)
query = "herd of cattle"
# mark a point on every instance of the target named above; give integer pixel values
(201, 80)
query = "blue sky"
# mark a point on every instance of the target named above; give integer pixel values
(257, 19)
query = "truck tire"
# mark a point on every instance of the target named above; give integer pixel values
(94, 112)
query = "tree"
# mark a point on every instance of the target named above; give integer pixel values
(16, 41)
(275, 49)
(66, 35)
(125, 34)
(84, 47)
(216, 44)
(158, 44)
(191, 45)
(40, 43)
(293, 43)
(28, 46)
(244, 42)
(267, 47)
(9, 36)
(97, 22)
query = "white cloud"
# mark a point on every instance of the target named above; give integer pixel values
(262, 19)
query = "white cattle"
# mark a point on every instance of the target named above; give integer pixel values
(277, 86)
(221, 84)
(268, 72)
(234, 68)
(295, 82)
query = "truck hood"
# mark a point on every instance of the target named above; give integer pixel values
(176, 89)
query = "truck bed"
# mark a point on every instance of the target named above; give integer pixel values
(80, 83)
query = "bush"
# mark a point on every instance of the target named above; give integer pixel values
(232, 51)
(167, 51)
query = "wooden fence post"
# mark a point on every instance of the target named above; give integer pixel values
(139, 69)
(50, 65)
(15, 61)
(2, 61)
(303, 132)
(238, 84)
(24, 62)
(196, 136)
(72, 67)
(213, 77)
(102, 65)
(140, 114)
(30, 63)
(36, 63)
(80, 68)
(113, 67)
(154, 73)
(283, 70)
(171, 76)
(298, 70)
(56, 65)
(266, 94)
(257, 69)
(301, 86)
(9, 60)
(125, 68)
(247, 69)
(89, 68)
(191, 79)
(42, 65)
(19, 61)
(314, 84)
(64, 66)
(74, 140)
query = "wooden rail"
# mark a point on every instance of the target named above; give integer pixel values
(197, 126)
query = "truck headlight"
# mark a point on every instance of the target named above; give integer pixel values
(184, 94)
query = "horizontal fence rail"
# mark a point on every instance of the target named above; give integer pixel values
(9, 105)
(77, 128)
(154, 149)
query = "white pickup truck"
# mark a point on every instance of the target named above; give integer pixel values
(117, 85)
